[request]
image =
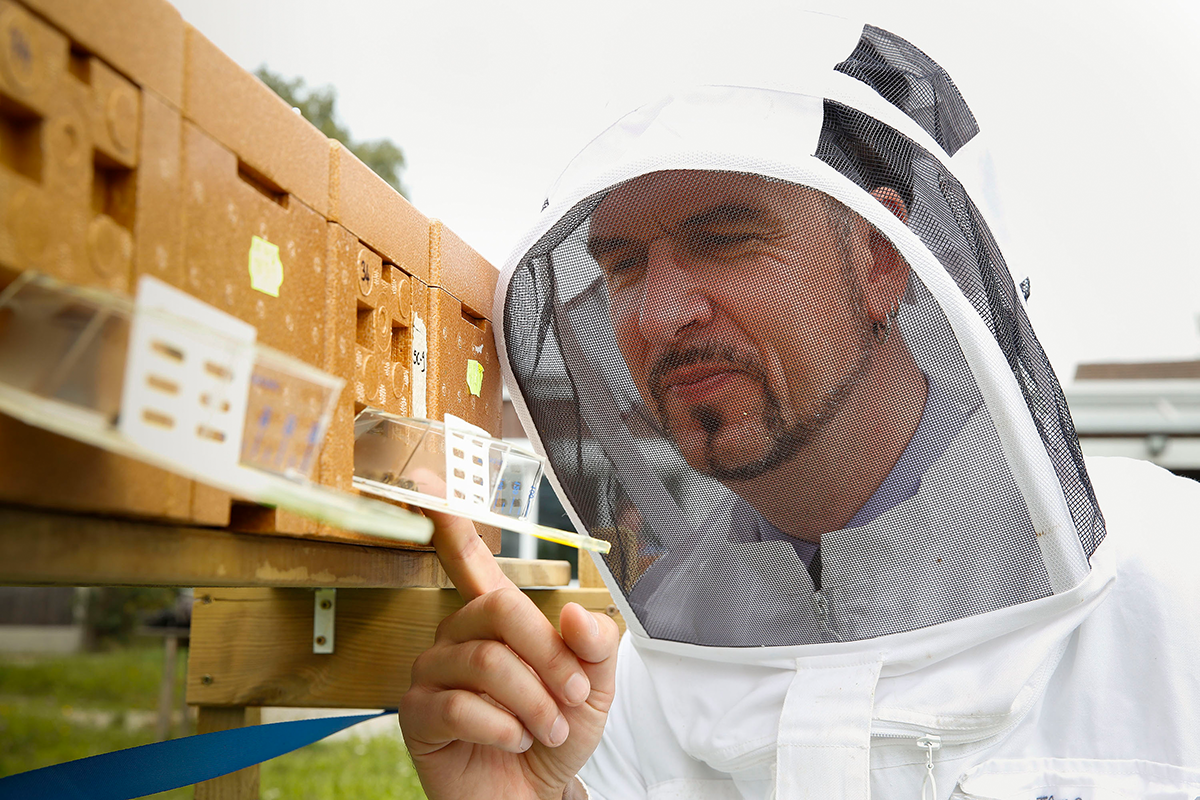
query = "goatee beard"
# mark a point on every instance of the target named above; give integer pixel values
(784, 440)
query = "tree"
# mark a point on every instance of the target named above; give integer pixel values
(316, 105)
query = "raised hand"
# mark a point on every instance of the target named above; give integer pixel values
(502, 705)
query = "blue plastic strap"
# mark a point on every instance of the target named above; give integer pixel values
(151, 768)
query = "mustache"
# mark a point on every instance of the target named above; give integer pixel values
(699, 353)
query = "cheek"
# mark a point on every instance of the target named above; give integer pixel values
(631, 344)
(836, 345)
(807, 334)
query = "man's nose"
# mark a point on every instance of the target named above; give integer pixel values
(673, 297)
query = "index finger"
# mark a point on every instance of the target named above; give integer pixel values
(471, 567)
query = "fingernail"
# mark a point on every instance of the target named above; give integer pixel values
(577, 689)
(595, 625)
(526, 741)
(559, 731)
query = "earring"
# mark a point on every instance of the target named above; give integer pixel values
(883, 329)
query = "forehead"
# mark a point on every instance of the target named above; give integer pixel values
(651, 204)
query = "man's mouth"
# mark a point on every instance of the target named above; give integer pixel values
(700, 374)
(701, 382)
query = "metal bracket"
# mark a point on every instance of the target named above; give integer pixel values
(324, 604)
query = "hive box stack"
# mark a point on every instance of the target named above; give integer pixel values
(380, 312)
(90, 97)
(131, 145)
(464, 372)
(376, 298)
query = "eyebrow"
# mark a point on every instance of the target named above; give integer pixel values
(598, 247)
(728, 212)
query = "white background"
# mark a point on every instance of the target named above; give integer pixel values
(1091, 111)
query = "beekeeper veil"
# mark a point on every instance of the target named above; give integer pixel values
(774, 355)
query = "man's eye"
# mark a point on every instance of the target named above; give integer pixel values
(723, 238)
(717, 243)
(727, 238)
(622, 265)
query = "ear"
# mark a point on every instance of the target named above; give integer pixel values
(887, 278)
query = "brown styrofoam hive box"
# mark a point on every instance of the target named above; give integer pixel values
(259, 255)
(143, 39)
(371, 300)
(370, 307)
(364, 204)
(368, 341)
(275, 147)
(378, 249)
(68, 163)
(463, 372)
(88, 172)
(255, 190)
(252, 251)
(381, 244)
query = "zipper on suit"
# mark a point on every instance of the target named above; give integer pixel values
(927, 742)
(821, 609)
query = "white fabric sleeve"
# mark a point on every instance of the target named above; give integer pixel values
(614, 771)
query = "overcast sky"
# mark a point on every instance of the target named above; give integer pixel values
(1091, 110)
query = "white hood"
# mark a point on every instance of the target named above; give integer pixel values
(942, 599)
(971, 520)
(1003, 515)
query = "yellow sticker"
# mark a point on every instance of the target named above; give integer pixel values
(266, 270)
(474, 376)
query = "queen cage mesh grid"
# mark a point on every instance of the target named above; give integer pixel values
(701, 353)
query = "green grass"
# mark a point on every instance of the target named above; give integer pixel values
(374, 768)
(55, 709)
(119, 679)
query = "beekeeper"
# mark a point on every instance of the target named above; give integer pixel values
(774, 355)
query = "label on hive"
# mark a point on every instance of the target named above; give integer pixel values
(420, 353)
(266, 268)
(474, 376)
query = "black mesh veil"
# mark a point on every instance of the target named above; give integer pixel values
(798, 393)
(952, 228)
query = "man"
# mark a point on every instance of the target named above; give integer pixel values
(773, 353)
(730, 371)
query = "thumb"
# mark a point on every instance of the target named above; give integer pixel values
(594, 638)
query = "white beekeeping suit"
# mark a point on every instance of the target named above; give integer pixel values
(774, 355)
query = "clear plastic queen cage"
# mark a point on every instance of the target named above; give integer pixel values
(456, 467)
(178, 384)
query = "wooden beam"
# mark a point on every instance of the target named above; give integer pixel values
(49, 547)
(253, 647)
(240, 785)
(530, 572)
(589, 576)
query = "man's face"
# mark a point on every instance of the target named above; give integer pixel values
(737, 310)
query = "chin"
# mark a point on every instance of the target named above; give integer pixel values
(729, 452)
